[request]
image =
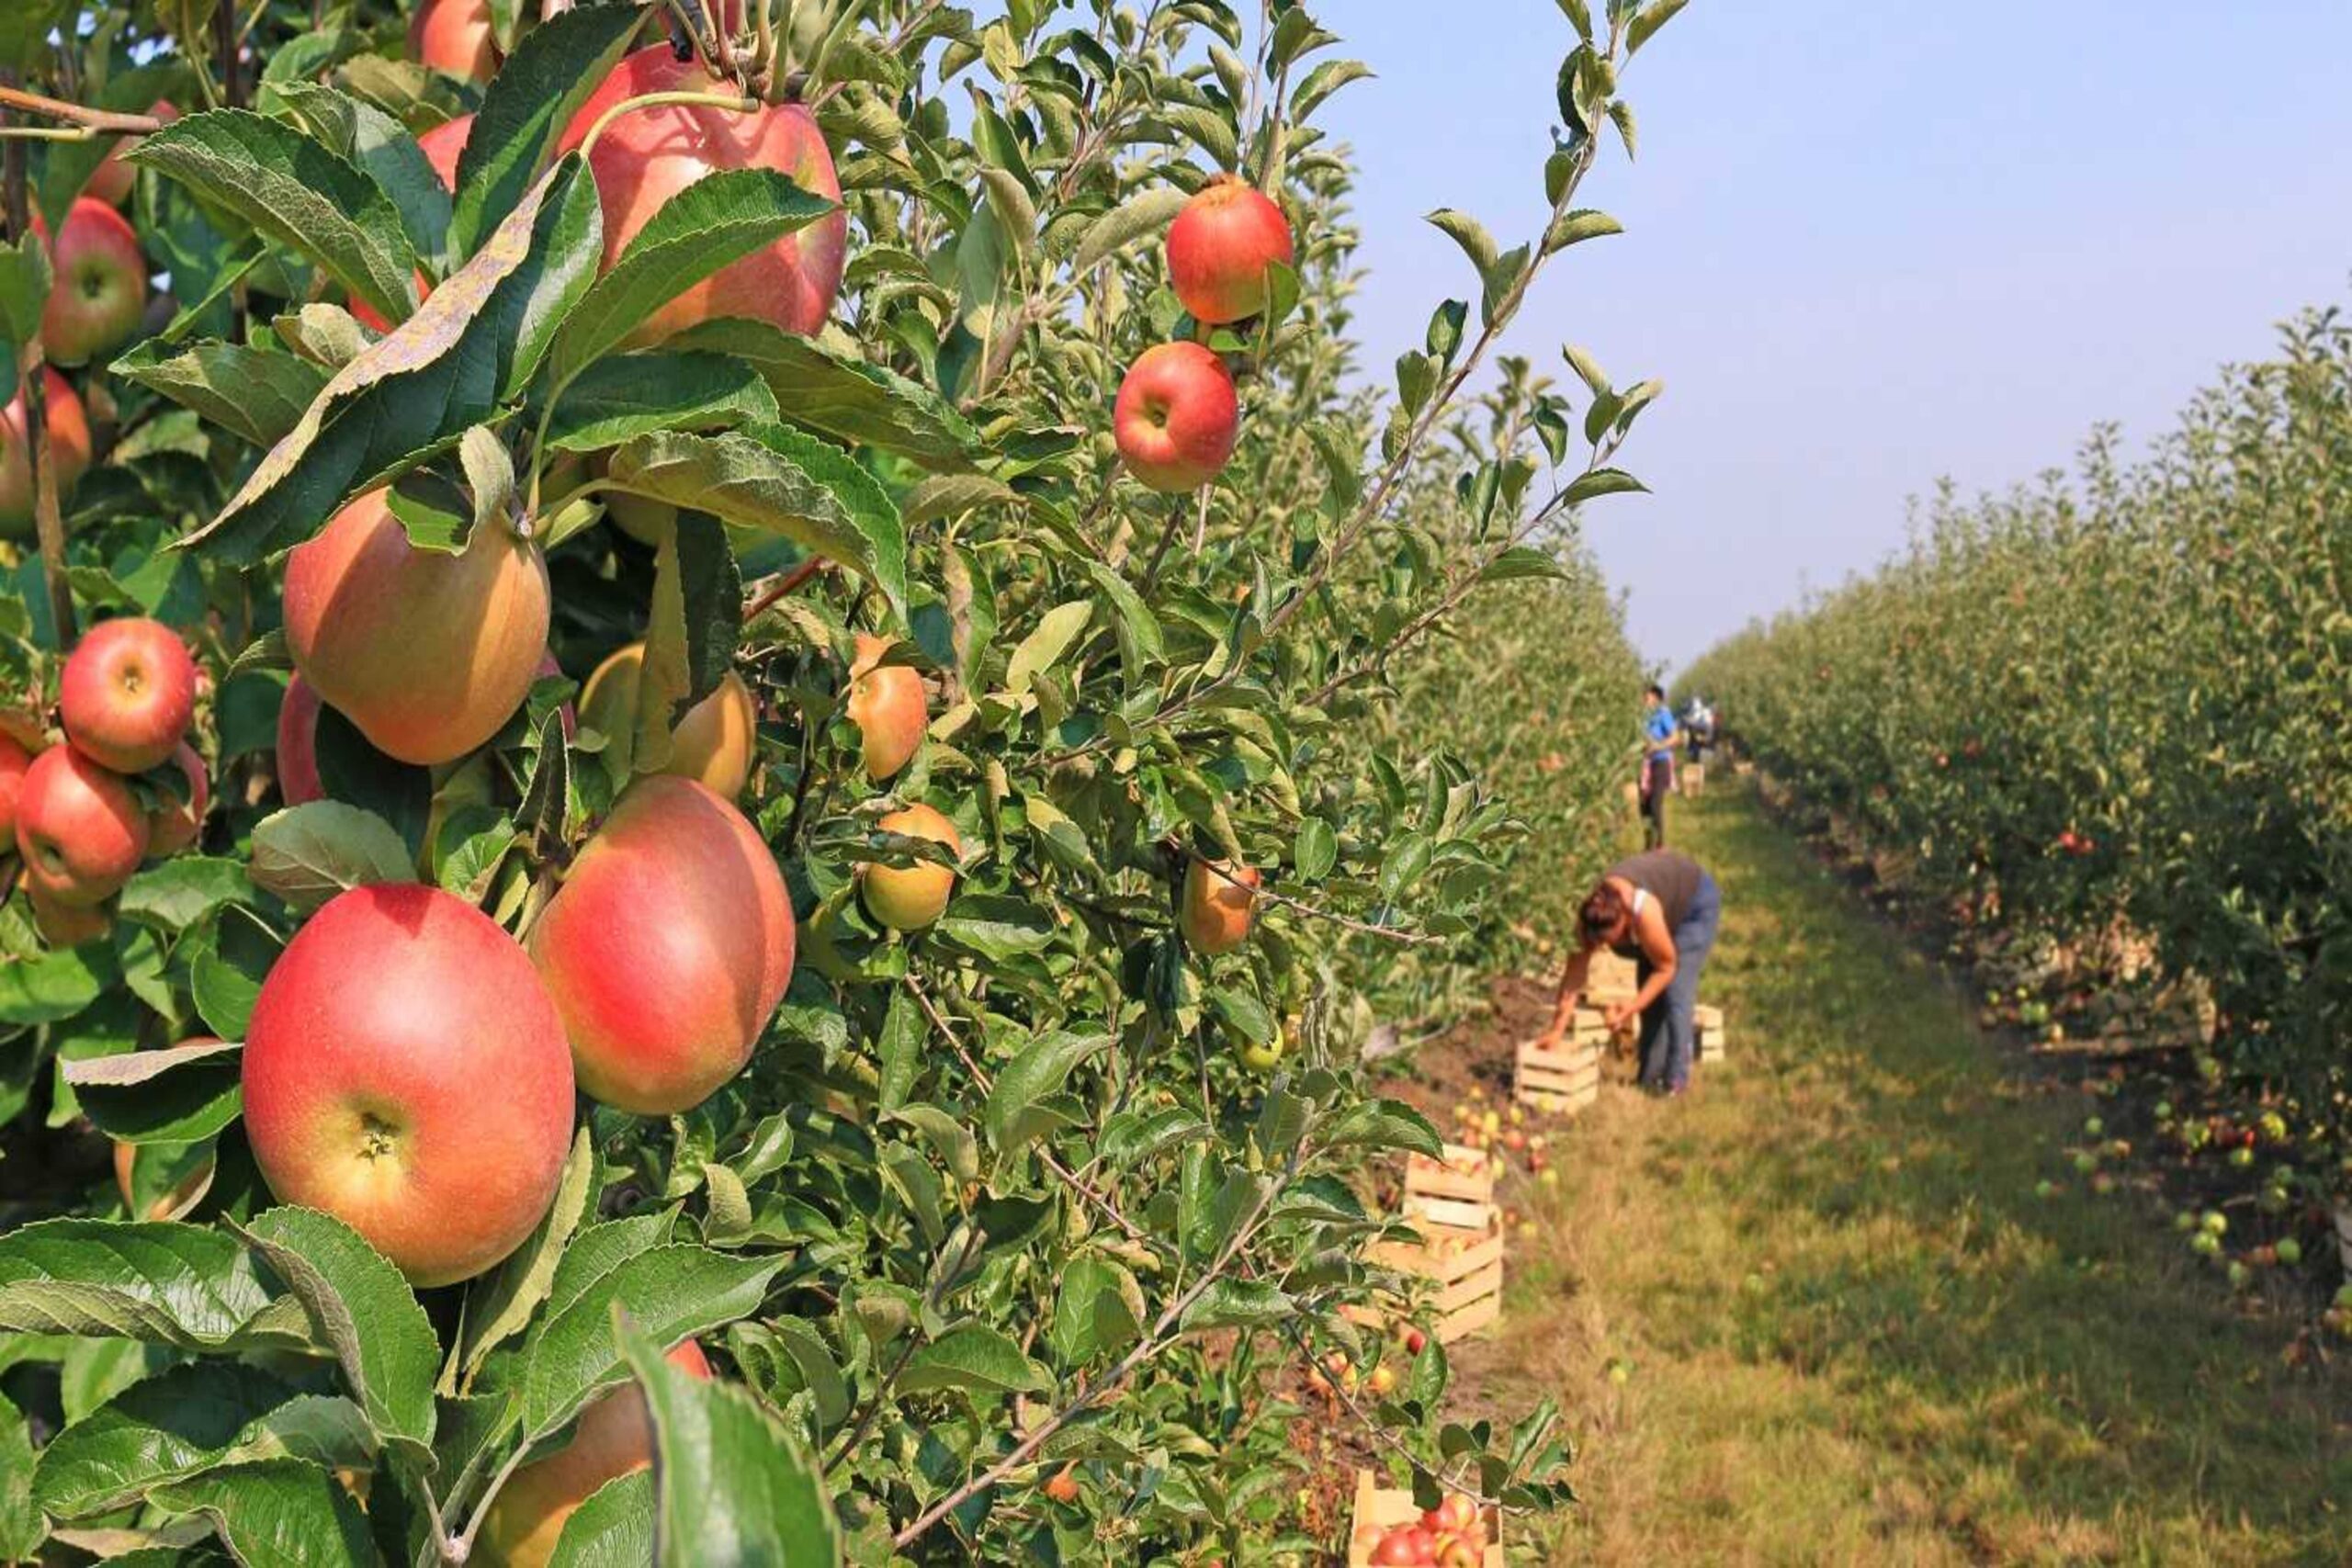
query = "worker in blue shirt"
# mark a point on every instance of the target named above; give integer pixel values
(1658, 730)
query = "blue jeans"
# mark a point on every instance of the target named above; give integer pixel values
(1669, 1033)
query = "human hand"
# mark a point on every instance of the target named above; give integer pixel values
(1619, 1015)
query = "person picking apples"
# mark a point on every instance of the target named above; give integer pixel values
(1660, 908)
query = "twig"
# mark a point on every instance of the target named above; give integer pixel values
(784, 586)
(16, 97)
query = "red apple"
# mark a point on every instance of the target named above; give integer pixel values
(1220, 247)
(66, 925)
(887, 707)
(79, 828)
(614, 1438)
(908, 898)
(715, 743)
(1414, 1340)
(1063, 1486)
(1454, 1514)
(454, 36)
(406, 1071)
(99, 288)
(667, 949)
(428, 653)
(128, 694)
(298, 744)
(1406, 1546)
(14, 761)
(69, 450)
(112, 180)
(1219, 899)
(1176, 417)
(173, 829)
(445, 144)
(646, 156)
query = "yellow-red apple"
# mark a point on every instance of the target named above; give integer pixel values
(714, 743)
(646, 156)
(128, 694)
(298, 744)
(428, 653)
(908, 898)
(1219, 898)
(455, 35)
(1220, 248)
(886, 702)
(112, 180)
(79, 828)
(14, 760)
(69, 450)
(613, 1438)
(406, 1071)
(171, 829)
(66, 925)
(1176, 417)
(99, 287)
(668, 948)
(445, 144)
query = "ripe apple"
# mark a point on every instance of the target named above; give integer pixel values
(1176, 417)
(646, 156)
(1455, 1551)
(1220, 247)
(79, 828)
(445, 144)
(1383, 1380)
(454, 36)
(1414, 1340)
(1454, 1514)
(69, 450)
(428, 653)
(298, 744)
(171, 829)
(713, 744)
(66, 925)
(128, 694)
(1406, 1546)
(908, 898)
(14, 760)
(406, 1071)
(887, 707)
(668, 948)
(1063, 1488)
(614, 1438)
(98, 287)
(1261, 1058)
(112, 180)
(1218, 898)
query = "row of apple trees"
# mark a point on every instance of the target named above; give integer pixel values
(1003, 1243)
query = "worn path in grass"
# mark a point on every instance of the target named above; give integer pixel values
(1815, 1314)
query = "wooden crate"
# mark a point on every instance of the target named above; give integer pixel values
(1561, 1079)
(1610, 979)
(1713, 1041)
(1381, 1509)
(1465, 1265)
(1458, 1193)
(1692, 777)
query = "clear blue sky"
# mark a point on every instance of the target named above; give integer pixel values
(1867, 245)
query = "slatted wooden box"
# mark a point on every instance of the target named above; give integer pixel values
(1610, 979)
(1713, 1041)
(1693, 778)
(1558, 1080)
(1458, 1193)
(1465, 1267)
(1381, 1509)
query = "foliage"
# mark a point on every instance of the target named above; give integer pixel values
(990, 1200)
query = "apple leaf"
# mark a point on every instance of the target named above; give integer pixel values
(363, 1310)
(49, 987)
(22, 1524)
(1238, 1304)
(623, 395)
(24, 292)
(186, 1286)
(697, 621)
(296, 191)
(975, 1358)
(307, 853)
(283, 1512)
(174, 1096)
(604, 1246)
(1038, 1071)
(1147, 213)
(380, 148)
(499, 1307)
(1384, 1125)
(1098, 1310)
(175, 894)
(614, 1529)
(824, 391)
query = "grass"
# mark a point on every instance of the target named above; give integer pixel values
(1815, 1314)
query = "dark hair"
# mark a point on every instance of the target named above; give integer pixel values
(1657, 691)
(1602, 912)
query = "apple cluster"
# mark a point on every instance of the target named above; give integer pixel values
(1451, 1535)
(125, 784)
(1177, 414)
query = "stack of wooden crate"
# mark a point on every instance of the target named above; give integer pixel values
(1562, 1078)
(1711, 1041)
(1610, 979)
(1380, 1509)
(1451, 1203)
(1692, 777)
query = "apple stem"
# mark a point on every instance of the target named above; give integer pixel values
(739, 104)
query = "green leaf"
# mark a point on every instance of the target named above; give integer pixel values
(49, 986)
(526, 108)
(1038, 1071)
(690, 641)
(1321, 82)
(1238, 1303)
(1149, 213)
(1384, 1125)
(174, 1096)
(363, 1310)
(602, 1248)
(500, 1308)
(1471, 235)
(1574, 228)
(836, 395)
(295, 190)
(614, 1529)
(282, 1512)
(733, 1488)
(717, 220)
(675, 1291)
(307, 853)
(228, 959)
(256, 394)
(631, 394)
(1136, 626)
(1597, 482)
(1098, 1312)
(177, 893)
(1520, 563)
(24, 279)
(186, 1286)
(997, 926)
(974, 1358)
(183, 1422)
(379, 147)
(1647, 22)
(1044, 646)
(21, 1526)
(1316, 851)
(776, 479)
